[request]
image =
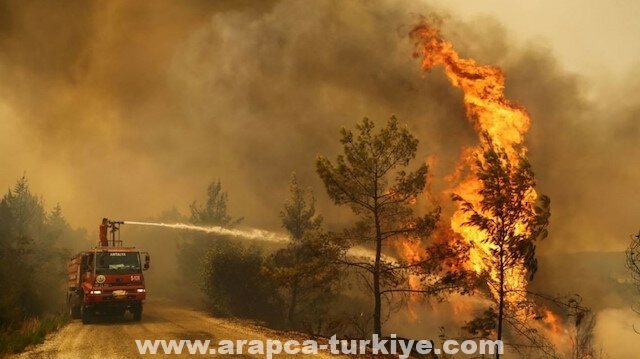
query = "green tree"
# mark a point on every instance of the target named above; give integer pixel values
(214, 211)
(371, 179)
(299, 212)
(511, 221)
(32, 254)
(57, 223)
(26, 210)
(192, 251)
(23, 221)
(235, 284)
(59, 233)
(306, 269)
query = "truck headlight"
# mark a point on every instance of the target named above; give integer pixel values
(95, 292)
(140, 290)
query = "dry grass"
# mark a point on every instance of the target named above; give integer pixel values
(29, 332)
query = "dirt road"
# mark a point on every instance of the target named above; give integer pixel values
(115, 337)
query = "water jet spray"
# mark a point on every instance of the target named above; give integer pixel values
(251, 233)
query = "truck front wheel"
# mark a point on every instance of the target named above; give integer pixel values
(74, 310)
(86, 314)
(137, 313)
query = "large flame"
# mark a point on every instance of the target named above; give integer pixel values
(503, 121)
(483, 88)
(500, 123)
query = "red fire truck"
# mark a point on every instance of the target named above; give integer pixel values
(107, 279)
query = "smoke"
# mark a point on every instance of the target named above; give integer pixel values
(142, 106)
(615, 331)
(127, 108)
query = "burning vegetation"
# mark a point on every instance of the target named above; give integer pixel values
(391, 244)
(498, 216)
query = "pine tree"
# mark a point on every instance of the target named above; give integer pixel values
(371, 178)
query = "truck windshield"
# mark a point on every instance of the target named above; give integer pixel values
(117, 262)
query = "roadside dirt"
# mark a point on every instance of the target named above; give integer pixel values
(115, 337)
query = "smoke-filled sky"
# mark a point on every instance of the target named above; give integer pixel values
(124, 109)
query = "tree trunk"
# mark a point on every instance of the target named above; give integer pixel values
(377, 309)
(292, 305)
(501, 293)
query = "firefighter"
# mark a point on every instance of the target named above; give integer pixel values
(104, 229)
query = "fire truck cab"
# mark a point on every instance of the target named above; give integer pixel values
(107, 280)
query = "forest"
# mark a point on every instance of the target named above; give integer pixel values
(348, 281)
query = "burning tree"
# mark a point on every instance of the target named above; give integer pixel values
(371, 179)
(509, 222)
(499, 214)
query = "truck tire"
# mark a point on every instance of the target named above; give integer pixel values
(74, 310)
(87, 316)
(137, 313)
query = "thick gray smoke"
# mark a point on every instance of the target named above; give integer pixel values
(137, 107)
(125, 108)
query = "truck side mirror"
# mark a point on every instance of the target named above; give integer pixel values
(147, 259)
(84, 263)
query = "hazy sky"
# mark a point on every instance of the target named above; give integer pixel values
(589, 37)
(124, 109)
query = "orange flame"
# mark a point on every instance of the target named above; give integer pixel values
(551, 320)
(503, 124)
(483, 88)
(413, 252)
(491, 113)
(554, 328)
